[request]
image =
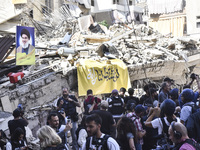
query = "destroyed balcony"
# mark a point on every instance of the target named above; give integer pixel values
(119, 6)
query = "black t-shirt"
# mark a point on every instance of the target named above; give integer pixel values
(131, 99)
(143, 98)
(14, 124)
(107, 120)
(69, 107)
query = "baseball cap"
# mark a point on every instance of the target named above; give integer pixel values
(115, 91)
(188, 94)
(139, 108)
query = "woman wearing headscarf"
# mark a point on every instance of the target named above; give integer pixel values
(17, 140)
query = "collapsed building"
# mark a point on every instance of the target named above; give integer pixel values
(62, 44)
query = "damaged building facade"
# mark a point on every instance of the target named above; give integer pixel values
(63, 40)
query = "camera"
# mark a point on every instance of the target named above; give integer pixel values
(20, 108)
(68, 120)
(193, 76)
(62, 111)
(96, 100)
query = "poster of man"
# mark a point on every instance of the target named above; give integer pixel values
(25, 41)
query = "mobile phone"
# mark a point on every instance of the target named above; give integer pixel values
(68, 120)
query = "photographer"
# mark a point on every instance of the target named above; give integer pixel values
(163, 123)
(69, 103)
(18, 121)
(188, 86)
(91, 103)
(95, 105)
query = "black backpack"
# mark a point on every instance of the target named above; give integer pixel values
(163, 139)
(117, 107)
(98, 142)
(189, 141)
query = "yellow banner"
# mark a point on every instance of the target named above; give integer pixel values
(102, 77)
(19, 1)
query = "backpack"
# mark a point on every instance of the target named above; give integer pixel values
(87, 106)
(195, 108)
(116, 106)
(98, 142)
(189, 141)
(163, 139)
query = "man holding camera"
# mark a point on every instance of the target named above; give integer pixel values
(18, 121)
(193, 77)
(91, 103)
(69, 104)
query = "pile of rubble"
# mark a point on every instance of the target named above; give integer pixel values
(134, 44)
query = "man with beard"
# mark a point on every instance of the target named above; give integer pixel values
(97, 139)
(53, 122)
(25, 46)
(26, 51)
(69, 104)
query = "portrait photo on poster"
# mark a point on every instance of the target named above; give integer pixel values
(25, 46)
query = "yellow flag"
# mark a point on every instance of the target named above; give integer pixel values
(23, 59)
(102, 77)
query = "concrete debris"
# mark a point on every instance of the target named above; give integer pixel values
(147, 53)
(136, 45)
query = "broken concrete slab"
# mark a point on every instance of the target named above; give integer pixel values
(7, 106)
(84, 22)
(84, 54)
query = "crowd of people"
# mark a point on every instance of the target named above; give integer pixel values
(164, 118)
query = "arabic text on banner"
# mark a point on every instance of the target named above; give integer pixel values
(102, 77)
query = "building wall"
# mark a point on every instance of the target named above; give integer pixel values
(37, 9)
(193, 12)
(101, 5)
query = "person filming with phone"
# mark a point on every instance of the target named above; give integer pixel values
(69, 103)
(53, 122)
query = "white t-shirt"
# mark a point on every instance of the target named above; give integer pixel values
(186, 111)
(111, 143)
(157, 123)
(82, 137)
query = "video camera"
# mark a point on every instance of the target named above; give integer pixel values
(162, 142)
(193, 76)
(62, 111)
(96, 100)
(21, 110)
